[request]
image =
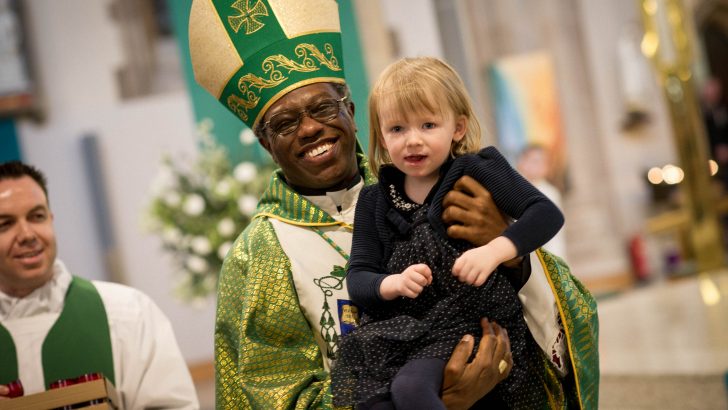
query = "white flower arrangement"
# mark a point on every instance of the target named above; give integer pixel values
(199, 210)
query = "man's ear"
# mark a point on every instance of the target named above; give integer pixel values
(351, 107)
(263, 141)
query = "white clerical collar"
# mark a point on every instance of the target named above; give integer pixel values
(339, 204)
(46, 299)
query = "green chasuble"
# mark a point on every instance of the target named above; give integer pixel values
(266, 356)
(79, 341)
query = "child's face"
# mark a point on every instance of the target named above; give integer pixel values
(419, 143)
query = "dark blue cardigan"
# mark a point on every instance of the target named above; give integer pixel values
(378, 222)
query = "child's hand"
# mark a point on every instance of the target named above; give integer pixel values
(409, 283)
(474, 266)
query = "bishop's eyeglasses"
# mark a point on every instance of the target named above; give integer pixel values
(286, 123)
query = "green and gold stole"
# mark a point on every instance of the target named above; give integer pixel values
(578, 311)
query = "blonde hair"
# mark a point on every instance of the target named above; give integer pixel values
(416, 84)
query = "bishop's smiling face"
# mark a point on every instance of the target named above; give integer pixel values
(316, 155)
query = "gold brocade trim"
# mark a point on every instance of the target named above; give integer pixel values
(566, 328)
(316, 31)
(297, 223)
(248, 16)
(311, 59)
(291, 87)
(282, 203)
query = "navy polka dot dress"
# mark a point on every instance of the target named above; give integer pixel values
(430, 325)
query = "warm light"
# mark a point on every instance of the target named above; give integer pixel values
(709, 291)
(684, 74)
(650, 6)
(649, 44)
(654, 175)
(672, 174)
(713, 167)
(673, 15)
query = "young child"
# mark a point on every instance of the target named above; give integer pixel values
(421, 291)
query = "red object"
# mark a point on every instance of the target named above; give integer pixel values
(88, 377)
(78, 380)
(62, 383)
(638, 257)
(15, 389)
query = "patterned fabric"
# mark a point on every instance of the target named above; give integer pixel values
(429, 326)
(265, 352)
(559, 359)
(266, 356)
(249, 53)
(319, 277)
(578, 311)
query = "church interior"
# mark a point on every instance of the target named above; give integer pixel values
(628, 99)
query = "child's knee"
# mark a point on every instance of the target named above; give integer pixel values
(407, 387)
(410, 392)
(417, 385)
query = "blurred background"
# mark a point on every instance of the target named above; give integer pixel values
(616, 109)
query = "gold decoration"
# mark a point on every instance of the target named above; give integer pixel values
(248, 16)
(302, 50)
(311, 60)
(668, 42)
(240, 106)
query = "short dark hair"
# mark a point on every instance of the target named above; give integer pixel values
(17, 169)
(341, 88)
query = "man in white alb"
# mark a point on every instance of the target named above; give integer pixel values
(54, 325)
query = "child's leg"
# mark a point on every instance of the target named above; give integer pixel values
(417, 385)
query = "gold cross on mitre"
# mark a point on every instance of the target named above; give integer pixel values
(248, 16)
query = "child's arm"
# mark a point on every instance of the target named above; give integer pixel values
(366, 272)
(409, 283)
(474, 266)
(537, 218)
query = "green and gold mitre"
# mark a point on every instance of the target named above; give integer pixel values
(249, 53)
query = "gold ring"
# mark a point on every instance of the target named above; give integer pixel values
(502, 366)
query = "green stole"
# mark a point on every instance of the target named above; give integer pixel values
(79, 342)
(579, 316)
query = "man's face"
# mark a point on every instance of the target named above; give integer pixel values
(317, 155)
(27, 239)
(533, 164)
